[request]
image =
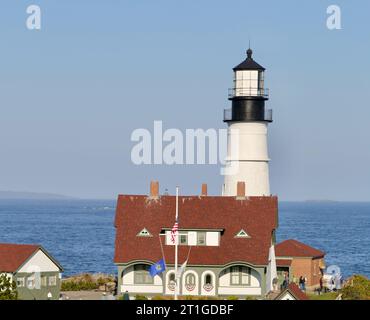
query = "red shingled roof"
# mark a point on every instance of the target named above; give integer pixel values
(256, 215)
(294, 290)
(294, 248)
(13, 256)
(283, 262)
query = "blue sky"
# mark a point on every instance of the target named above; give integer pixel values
(72, 93)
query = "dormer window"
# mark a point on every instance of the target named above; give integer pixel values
(144, 233)
(242, 234)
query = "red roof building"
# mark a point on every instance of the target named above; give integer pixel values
(299, 259)
(13, 256)
(292, 292)
(36, 274)
(225, 241)
(294, 248)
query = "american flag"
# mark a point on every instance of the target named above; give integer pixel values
(174, 231)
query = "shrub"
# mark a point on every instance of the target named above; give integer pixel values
(140, 297)
(78, 285)
(357, 288)
(159, 298)
(85, 282)
(8, 288)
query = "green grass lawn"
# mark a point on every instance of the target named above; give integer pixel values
(324, 296)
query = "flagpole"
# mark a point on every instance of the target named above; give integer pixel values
(176, 243)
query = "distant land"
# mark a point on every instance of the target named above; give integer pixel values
(321, 200)
(9, 195)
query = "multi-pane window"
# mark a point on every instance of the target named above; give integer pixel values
(52, 281)
(183, 239)
(201, 238)
(240, 275)
(142, 275)
(20, 282)
(31, 282)
(44, 281)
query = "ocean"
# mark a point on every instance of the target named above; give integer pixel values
(80, 233)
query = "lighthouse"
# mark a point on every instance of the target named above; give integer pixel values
(247, 121)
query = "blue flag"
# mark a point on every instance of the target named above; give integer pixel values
(157, 268)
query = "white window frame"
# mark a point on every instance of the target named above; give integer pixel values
(22, 282)
(30, 282)
(183, 234)
(142, 275)
(240, 276)
(52, 281)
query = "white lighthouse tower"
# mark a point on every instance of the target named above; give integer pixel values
(247, 131)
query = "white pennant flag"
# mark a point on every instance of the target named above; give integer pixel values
(181, 270)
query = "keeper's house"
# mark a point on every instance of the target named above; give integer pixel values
(300, 259)
(36, 273)
(229, 238)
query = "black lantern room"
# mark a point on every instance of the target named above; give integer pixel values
(248, 94)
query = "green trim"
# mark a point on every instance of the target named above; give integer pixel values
(25, 293)
(253, 266)
(201, 271)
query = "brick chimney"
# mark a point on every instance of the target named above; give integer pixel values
(154, 189)
(204, 190)
(240, 190)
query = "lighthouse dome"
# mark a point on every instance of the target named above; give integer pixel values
(249, 63)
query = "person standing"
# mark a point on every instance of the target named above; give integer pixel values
(321, 285)
(301, 282)
(126, 296)
(304, 283)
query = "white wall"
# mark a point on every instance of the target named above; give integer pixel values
(212, 238)
(128, 283)
(192, 238)
(39, 262)
(247, 148)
